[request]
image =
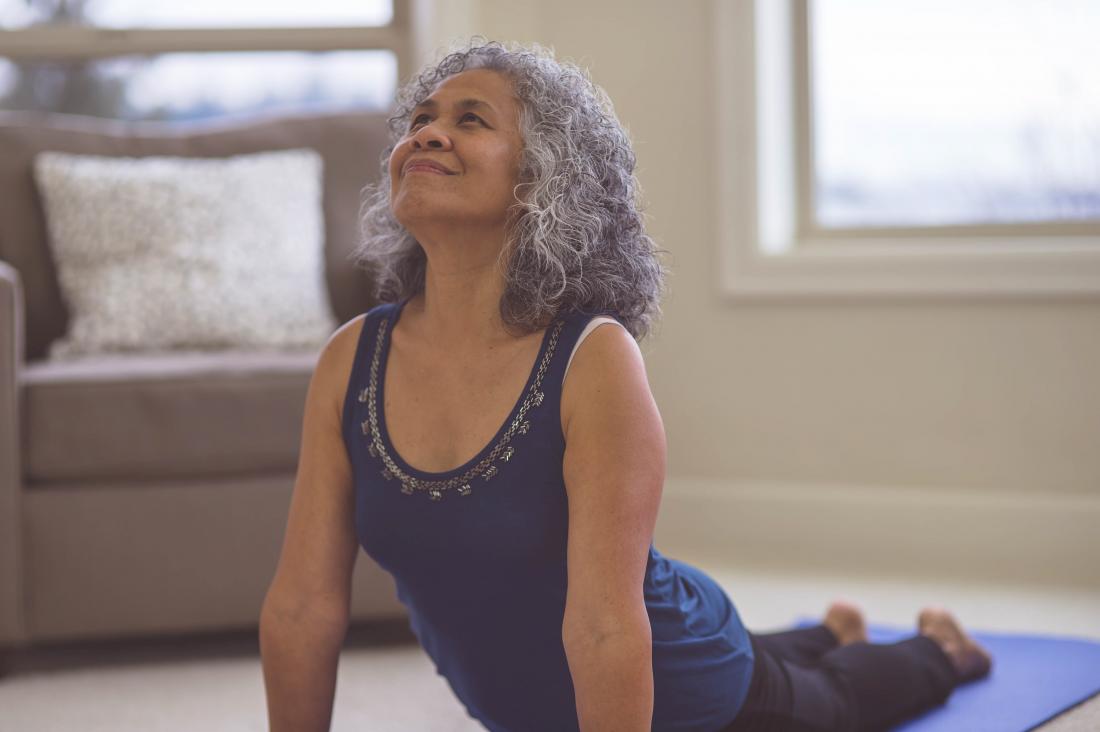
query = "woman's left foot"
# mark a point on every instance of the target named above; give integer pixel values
(846, 622)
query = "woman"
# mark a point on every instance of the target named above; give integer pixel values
(504, 237)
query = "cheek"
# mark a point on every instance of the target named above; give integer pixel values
(396, 161)
(513, 166)
(505, 169)
(394, 167)
(397, 157)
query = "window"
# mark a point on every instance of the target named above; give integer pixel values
(197, 13)
(940, 112)
(204, 58)
(839, 178)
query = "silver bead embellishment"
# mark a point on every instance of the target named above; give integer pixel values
(485, 468)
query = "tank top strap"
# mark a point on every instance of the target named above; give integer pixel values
(593, 322)
(360, 367)
(577, 324)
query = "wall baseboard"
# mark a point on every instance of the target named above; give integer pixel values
(959, 535)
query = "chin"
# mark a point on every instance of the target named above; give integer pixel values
(412, 209)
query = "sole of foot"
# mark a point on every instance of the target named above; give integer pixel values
(846, 621)
(970, 660)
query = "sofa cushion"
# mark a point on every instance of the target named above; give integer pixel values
(349, 142)
(183, 415)
(164, 253)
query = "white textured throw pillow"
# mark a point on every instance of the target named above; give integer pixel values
(163, 253)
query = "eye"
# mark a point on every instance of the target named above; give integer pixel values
(423, 118)
(419, 119)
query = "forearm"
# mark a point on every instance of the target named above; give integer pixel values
(613, 682)
(300, 659)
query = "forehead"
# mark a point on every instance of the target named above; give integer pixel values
(483, 84)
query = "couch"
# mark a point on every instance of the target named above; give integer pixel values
(148, 494)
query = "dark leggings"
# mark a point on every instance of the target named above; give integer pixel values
(804, 681)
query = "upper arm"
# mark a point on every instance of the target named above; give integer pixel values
(320, 545)
(614, 470)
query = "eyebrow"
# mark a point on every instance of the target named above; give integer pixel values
(460, 104)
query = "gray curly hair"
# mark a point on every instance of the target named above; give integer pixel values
(577, 239)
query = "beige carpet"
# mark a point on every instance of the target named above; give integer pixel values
(213, 683)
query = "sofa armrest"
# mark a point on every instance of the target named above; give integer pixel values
(12, 622)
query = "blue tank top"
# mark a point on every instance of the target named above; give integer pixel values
(478, 556)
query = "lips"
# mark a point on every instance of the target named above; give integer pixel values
(426, 166)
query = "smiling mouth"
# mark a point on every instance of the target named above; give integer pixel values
(426, 168)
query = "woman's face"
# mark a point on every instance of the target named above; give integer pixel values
(459, 159)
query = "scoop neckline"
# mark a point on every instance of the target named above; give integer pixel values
(380, 405)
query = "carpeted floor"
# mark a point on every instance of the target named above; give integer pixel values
(386, 683)
(214, 684)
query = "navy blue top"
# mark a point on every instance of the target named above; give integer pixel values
(478, 556)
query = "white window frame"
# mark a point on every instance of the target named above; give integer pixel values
(43, 43)
(767, 250)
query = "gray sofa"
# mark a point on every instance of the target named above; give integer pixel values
(148, 494)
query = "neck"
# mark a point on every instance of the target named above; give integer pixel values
(459, 308)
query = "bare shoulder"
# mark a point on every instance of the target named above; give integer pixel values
(345, 339)
(607, 368)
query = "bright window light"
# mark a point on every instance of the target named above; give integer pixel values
(182, 86)
(204, 13)
(955, 112)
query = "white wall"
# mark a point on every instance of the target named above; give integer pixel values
(841, 433)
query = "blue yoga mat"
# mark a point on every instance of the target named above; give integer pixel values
(1034, 679)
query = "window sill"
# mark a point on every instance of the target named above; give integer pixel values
(908, 268)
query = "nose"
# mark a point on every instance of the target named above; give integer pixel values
(431, 137)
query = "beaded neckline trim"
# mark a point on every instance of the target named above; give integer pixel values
(484, 467)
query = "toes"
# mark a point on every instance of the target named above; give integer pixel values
(844, 608)
(845, 619)
(932, 614)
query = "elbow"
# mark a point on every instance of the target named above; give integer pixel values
(584, 633)
(276, 613)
